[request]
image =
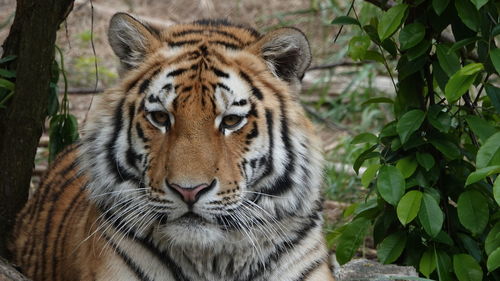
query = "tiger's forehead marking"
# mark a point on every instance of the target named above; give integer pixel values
(166, 89)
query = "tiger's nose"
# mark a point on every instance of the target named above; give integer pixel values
(191, 194)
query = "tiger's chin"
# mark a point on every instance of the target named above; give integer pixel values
(191, 230)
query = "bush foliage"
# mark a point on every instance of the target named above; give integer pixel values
(433, 171)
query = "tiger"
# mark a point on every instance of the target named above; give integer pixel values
(200, 165)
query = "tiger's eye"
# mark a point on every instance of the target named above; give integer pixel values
(160, 118)
(231, 121)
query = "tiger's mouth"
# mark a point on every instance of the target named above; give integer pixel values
(191, 218)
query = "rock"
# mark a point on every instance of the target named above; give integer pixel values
(363, 270)
(9, 273)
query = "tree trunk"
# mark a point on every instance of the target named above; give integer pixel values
(31, 38)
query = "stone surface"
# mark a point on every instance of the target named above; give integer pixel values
(8, 273)
(363, 270)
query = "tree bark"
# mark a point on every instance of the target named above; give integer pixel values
(31, 38)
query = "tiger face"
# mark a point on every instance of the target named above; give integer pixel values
(205, 137)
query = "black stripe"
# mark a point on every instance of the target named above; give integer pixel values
(225, 44)
(199, 31)
(269, 160)
(223, 86)
(186, 89)
(219, 72)
(140, 132)
(284, 247)
(310, 269)
(120, 226)
(240, 103)
(62, 224)
(144, 86)
(254, 132)
(54, 198)
(121, 174)
(139, 273)
(184, 42)
(176, 72)
(131, 155)
(255, 91)
(153, 99)
(284, 182)
(41, 199)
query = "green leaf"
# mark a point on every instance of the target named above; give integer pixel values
(391, 20)
(480, 127)
(489, 153)
(409, 123)
(492, 241)
(466, 268)
(407, 166)
(462, 43)
(443, 263)
(367, 154)
(388, 130)
(439, 6)
(378, 100)
(494, 95)
(461, 81)
(468, 14)
(351, 238)
(7, 73)
(409, 206)
(473, 213)
(425, 160)
(479, 3)
(6, 84)
(471, 246)
(417, 51)
(439, 119)
(390, 184)
(358, 46)
(448, 61)
(374, 56)
(495, 59)
(365, 138)
(430, 215)
(493, 260)
(369, 174)
(496, 30)
(391, 247)
(345, 20)
(449, 149)
(8, 58)
(53, 102)
(407, 68)
(411, 35)
(496, 190)
(443, 238)
(481, 174)
(427, 263)
(389, 45)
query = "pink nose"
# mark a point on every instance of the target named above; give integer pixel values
(190, 194)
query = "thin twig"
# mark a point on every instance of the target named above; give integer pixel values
(327, 122)
(95, 57)
(336, 64)
(342, 26)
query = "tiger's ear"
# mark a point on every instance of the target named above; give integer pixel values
(131, 40)
(286, 51)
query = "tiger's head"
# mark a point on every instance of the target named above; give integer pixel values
(205, 135)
